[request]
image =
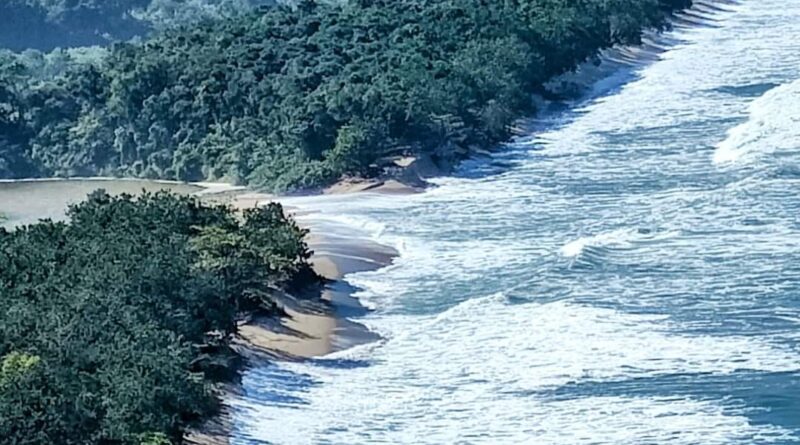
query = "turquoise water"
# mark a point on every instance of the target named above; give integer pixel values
(627, 273)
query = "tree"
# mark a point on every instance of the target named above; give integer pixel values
(117, 323)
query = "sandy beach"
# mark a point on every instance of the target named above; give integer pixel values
(315, 325)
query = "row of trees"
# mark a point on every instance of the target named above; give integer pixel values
(116, 324)
(295, 97)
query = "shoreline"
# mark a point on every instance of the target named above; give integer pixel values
(315, 327)
(411, 174)
(318, 322)
(315, 324)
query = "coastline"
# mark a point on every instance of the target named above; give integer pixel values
(302, 335)
(316, 326)
(317, 322)
(324, 320)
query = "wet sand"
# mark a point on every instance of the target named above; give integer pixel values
(317, 325)
(314, 325)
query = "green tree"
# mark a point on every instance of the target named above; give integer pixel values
(117, 324)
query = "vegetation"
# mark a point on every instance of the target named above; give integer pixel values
(48, 24)
(165, 14)
(295, 97)
(116, 325)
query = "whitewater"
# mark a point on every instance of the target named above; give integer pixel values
(626, 272)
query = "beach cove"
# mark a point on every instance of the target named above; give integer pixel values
(317, 322)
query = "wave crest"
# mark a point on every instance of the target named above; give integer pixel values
(773, 125)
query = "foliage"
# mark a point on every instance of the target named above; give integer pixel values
(16, 365)
(165, 14)
(295, 97)
(154, 439)
(50, 24)
(116, 324)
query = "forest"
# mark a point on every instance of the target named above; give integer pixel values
(296, 96)
(116, 324)
(50, 24)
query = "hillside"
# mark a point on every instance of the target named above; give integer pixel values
(293, 98)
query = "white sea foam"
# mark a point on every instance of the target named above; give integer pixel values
(484, 370)
(623, 238)
(773, 125)
(587, 421)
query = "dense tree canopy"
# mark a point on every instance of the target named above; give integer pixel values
(295, 97)
(48, 24)
(115, 325)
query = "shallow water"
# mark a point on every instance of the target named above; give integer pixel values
(627, 274)
(25, 202)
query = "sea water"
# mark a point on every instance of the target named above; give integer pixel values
(626, 273)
